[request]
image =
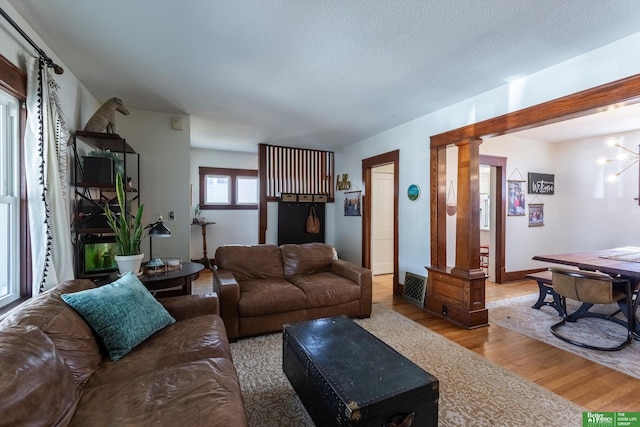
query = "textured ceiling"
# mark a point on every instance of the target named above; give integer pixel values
(319, 74)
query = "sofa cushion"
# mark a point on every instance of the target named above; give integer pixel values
(326, 289)
(122, 313)
(69, 332)
(307, 258)
(250, 262)
(36, 386)
(269, 296)
(199, 393)
(184, 341)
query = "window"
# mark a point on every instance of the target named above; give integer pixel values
(228, 188)
(9, 200)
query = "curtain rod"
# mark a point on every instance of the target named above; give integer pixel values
(58, 69)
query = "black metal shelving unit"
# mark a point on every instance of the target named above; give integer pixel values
(89, 225)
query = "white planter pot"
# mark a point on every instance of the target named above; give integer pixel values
(128, 263)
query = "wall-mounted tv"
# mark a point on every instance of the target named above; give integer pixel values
(97, 255)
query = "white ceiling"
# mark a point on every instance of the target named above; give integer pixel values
(320, 74)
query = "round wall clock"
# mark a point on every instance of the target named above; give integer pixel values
(413, 192)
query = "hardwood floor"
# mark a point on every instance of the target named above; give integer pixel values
(586, 383)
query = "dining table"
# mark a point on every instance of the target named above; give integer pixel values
(622, 262)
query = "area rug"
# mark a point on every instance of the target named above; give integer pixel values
(516, 314)
(473, 391)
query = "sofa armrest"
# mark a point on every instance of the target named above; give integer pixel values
(362, 276)
(187, 306)
(228, 289)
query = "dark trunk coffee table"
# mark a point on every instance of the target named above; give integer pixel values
(345, 376)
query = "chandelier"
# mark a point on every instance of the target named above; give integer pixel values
(624, 156)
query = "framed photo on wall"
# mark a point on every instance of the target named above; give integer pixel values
(536, 214)
(516, 198)
(352, 203)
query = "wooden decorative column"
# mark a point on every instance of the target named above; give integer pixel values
(457, 293)
(446, 289)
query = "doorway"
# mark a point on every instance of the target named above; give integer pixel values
(380, 228)
(382, 220)
(618, 93)
(496, 233)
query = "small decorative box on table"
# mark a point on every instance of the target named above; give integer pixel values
(345, 376)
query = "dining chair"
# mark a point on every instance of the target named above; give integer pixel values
(591, 288)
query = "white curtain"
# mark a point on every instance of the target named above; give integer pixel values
(46, 172)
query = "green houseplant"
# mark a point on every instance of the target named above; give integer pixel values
(127, 230)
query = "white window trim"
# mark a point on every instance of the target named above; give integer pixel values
(10, 193)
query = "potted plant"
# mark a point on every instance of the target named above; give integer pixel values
(127, 230)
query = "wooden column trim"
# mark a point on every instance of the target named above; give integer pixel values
(619, 93)
(438, 179)
(468, 306)
(467, 262)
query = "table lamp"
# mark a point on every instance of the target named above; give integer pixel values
(156, 229)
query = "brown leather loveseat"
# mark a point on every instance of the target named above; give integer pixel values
(55, 373)
(262, 287)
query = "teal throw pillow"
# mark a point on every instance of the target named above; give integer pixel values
(122, 313)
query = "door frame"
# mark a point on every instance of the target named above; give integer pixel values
(392, 157)
(500, 165)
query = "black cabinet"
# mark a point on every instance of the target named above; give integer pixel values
(94, 188)
(292, 222)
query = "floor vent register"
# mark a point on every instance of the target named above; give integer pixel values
(414, 288)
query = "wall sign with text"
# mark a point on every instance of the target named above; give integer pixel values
(541, 183)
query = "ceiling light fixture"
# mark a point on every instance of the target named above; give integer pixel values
(623, 156)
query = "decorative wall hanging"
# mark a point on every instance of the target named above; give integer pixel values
(352, 203)
(516, 194)
(452, 205)
(343, 182)
(413, 192)
(516, 198)
(541, 183)
(536, 214)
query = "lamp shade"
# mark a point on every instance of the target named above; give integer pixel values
(159, 230)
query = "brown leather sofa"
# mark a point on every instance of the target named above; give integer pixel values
(262, 287)
(54, 372)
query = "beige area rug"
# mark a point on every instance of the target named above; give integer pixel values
(516, 314)
(473, 391)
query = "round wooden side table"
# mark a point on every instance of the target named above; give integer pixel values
(179, 278)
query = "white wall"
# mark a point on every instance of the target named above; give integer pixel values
(600, 66)
(164, 177)
(584, 213)
(231, 226)
(523, 156)
(593, 214)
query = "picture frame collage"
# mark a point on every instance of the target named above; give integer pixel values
(538, 184)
